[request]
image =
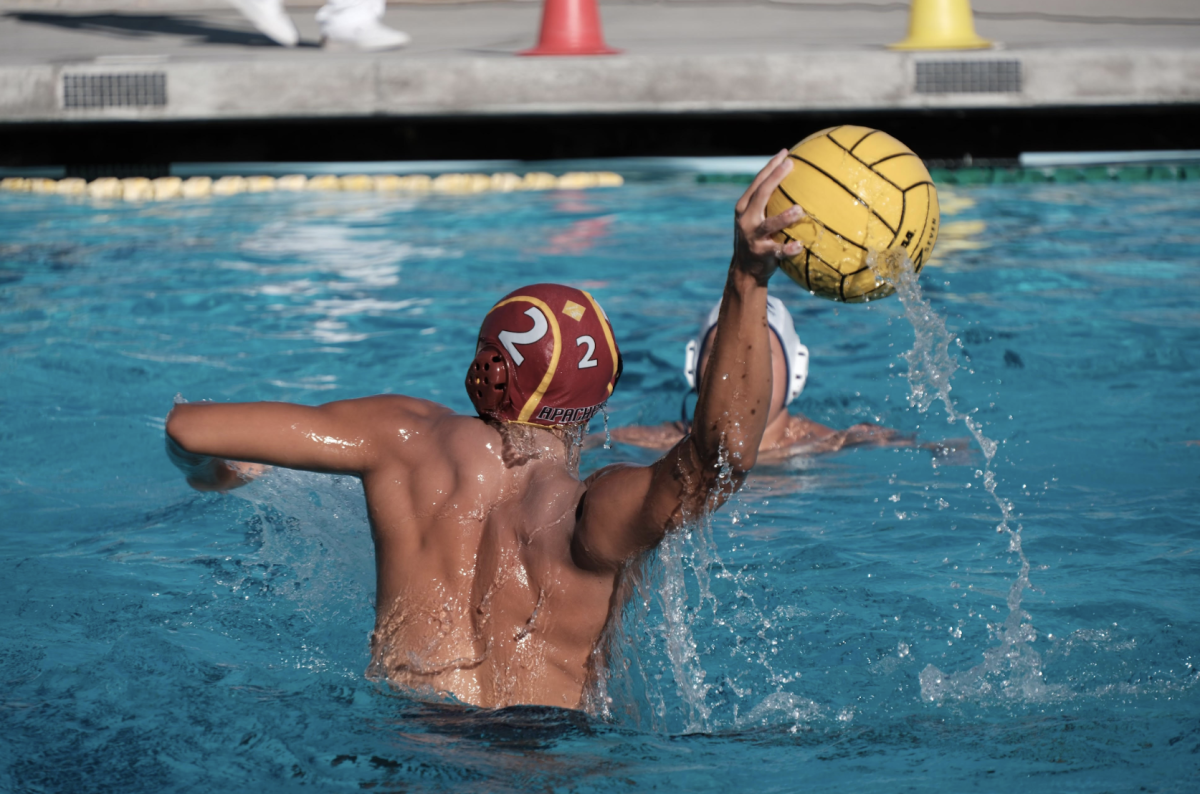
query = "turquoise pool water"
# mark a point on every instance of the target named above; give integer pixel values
(840, 626)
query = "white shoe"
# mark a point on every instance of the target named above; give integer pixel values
(366, 34)
(268, 16)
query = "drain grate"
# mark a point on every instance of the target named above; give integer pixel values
(115, 90)
(968, 77)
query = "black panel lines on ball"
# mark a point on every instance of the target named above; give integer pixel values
(860, 140)
(824, 225)
(846, 239)
(855, 196)
(842, 288)
(867, 165)
(903, 215)
(819, 259)
(924, 228)
(891, 157)
(788, 196)
(918, 184)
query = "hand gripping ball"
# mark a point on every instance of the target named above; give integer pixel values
(863, 192)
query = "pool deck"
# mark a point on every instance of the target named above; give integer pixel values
(712, 56)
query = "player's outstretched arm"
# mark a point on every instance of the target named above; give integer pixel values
(345, 437)
(628, 509)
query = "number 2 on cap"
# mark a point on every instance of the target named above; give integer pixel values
(510, 339)
(587, 361)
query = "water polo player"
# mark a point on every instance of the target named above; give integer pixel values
(496, 566)
(786, 434)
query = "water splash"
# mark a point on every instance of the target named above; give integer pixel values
(676, 555)
(654, 669)
(1012, 668)
(312, 560)
(572, 438)
(692, 550)
(650, 655)
(522, 443)
(649, 667)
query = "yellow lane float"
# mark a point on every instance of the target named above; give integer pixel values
(165, 188)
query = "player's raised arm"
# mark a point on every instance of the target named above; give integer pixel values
(345, 437)
(629, 509)
(735, 392)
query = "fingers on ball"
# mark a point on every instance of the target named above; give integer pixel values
(758, 204)
(763, 174)
(778, 223)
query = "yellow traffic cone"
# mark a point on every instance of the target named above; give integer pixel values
(941, 25)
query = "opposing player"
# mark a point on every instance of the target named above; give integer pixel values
(786, 435)
(496, 567)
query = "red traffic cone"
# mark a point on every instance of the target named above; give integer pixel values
(571, 27)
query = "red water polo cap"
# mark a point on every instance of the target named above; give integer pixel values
(545, 356)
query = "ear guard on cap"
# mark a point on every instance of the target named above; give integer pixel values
(487, 380)
(780, 322)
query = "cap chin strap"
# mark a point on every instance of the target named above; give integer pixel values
(797, 372)
(691, 361)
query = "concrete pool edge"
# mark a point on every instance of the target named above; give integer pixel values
(483, 86)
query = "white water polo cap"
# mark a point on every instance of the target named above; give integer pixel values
(780, 321)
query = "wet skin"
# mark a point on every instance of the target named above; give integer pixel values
(496, 567)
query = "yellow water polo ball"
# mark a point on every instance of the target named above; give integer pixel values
(863, 192)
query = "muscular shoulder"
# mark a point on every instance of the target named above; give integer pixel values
(619, 470)
(417, 431)
(612, 520)
(393, 405)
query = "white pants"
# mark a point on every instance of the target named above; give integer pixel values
(340, 18)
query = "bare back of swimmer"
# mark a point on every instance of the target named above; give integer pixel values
(497, 568)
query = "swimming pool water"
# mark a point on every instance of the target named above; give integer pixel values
(157, 639)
